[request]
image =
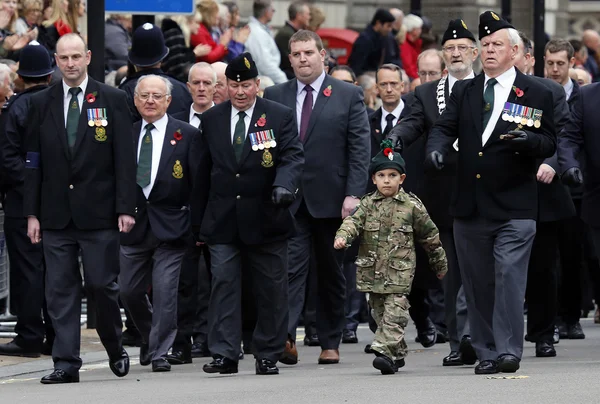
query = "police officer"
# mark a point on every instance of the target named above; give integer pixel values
(26, 259)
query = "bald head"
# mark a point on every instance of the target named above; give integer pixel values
(591, 39)
(72, 58)
(221, 86)
(399, 16)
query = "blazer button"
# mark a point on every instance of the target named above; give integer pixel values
(480, 154)
(238, 197)
(237, 176)
(478, 176)
(71, 186)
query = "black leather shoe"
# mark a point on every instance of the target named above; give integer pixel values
(467, 352)
(574, 331)
(349, 337)
(562, 330)
(427, 334)
(200, 350)
(508, 363)
(161, 365)
(453, 359)
(60, 376)
(266, 367)
(442, 337)
(12, 349)
(221, 365)
(120, 364)
(544, 349)
(132, 338)
(385, 365)
(145, 358)
(312, 340)
(180, 355)
(368, 349)
(399, 363)
(487, 367)
(247, 348)
(556, 336)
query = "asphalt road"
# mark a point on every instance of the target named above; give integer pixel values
(570, 377)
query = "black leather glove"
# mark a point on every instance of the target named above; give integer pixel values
(517, 136)
(398, 146)
(436, 159)
(282, 197)
(573, 176)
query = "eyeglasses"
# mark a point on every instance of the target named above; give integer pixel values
(155, 97)
(461, 48)
(430, 74)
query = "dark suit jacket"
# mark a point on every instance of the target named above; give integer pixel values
(282, 40)
(90, 185)
(581, 136)
(337, 146)
(166, 211)
(377, 133)
(432, 186)
(367, 51)
(232, 201)
(13, 124)
(554, 199)
(180, 101)
(497, 180)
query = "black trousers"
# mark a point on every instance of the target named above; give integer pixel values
(27, 272)
(268, 266)
(193, 296)
(331, 285)
(570, 243)
(542, 277)
(100, 254)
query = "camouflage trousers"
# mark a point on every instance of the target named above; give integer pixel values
(390, 312)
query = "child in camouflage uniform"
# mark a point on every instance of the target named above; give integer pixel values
(389, 222)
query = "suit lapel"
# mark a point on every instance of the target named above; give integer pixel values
(377, 131)
(58, 114)
(319, 105)
(224, 140)
(259, 109)
(167, 147)
(137, 127)
(475, 97)
(503, 127)
(289, 96)
(82, 126)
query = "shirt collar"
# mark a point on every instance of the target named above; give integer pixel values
(506, 79)
(396, 112)
(316, 85)
(193, 111)
(249, 111)
(400, 196)
(452, 79)
(83, 86)
(568, 87)
(160, 125)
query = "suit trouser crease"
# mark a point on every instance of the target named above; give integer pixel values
(319, 233)
(100, 256)
(152, 264)
(268, 266)
(493, 258)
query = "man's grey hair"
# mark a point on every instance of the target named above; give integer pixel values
(412, 21)
(154, 76)
(5, 72)
(513, 37)
(203, 65)
(260, 7)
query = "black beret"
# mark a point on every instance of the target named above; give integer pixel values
(490, 22)
(241, 68)
(387, 158)
(457, 29)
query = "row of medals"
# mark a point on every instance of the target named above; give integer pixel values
(522, 120)
(264, 145)
(97, 122)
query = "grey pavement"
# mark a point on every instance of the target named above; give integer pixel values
(573, 376)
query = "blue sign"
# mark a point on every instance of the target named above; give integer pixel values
(150, 6)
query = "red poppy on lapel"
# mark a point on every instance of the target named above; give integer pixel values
(91, 97)
(262, 121)
(518, 91)
(327, 91)
(178, 135)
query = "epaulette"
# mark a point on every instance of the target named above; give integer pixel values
(10, 102)
(416, 200)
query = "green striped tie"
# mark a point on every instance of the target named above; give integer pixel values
(488, 99)
(73, 116)
(144, 168)
(239, 135)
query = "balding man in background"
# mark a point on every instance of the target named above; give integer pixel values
(221, 93)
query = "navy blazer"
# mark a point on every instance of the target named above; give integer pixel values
(166, 211)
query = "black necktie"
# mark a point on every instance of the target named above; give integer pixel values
(389, 125)
(199, 116)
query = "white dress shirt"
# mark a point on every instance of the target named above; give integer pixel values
(452, 80)
(502, 90)
(301, 95)
(158, 139)
(235, 118)
(568, 89)
(396, 113)
(194, 120)
(80, 96)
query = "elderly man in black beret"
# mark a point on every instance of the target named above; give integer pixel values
(246, 182)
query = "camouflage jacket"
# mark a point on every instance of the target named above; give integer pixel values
(389, 228)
